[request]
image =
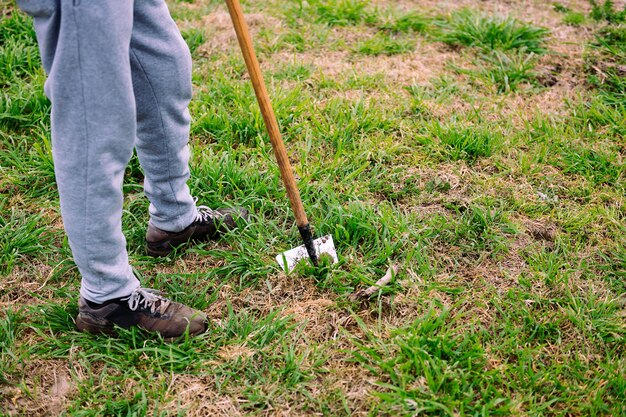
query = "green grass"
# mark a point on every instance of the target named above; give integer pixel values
(22, 235)
(558, 7)
(422, 138)
(9, 330)
(606, 11)
(383, 44)
(605, 63)
(194, 38)
(574, 18)
(21, 78)
(407, 23)
(570, 17)
(507, 72)
(341, 12)
(507, 48)
(598, 167)
(428, 369)
(467, 143)
(468, 28)
(614, 266)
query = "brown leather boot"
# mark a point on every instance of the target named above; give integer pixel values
(145, 308)
(209, 224)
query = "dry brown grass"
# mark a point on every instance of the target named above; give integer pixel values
(48, 380)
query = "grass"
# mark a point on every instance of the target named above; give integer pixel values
(428, 369)
(383, 44)
(607, 11)
(9, 326)
(598, 167)
(23, 235)
(507, 72)
(423, 138)
(194, 38)
(469, 28)
(507, 48)
(574, 18)
(605, 64)
(407, 22)
(466, 143)
(570, 17)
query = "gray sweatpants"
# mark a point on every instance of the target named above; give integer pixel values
(119, 77)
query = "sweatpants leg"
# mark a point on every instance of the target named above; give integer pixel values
(85, 50)
(161, 73)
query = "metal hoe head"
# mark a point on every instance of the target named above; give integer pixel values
(323, 246)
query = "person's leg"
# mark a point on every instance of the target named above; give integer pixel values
(85, 51)
(161, 74)
(161, 70)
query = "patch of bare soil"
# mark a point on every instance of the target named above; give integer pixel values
(45, 392)
(200, 397)
(455, 184)
(541, 230)
(300, 299)
(221, 35)
(418, 67)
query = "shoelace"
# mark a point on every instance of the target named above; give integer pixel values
(148, 299)
(205, 213)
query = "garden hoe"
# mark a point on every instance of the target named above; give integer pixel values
(311, 248)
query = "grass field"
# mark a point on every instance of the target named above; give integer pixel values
(480, 146)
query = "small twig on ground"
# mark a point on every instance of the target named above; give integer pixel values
(369, 291)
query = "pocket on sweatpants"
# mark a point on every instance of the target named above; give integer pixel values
(38, 8)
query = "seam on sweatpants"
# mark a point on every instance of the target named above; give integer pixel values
(167, 148)
(86, 147)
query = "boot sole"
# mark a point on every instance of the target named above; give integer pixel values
(163, 249)
(91, 324)
(159, 250)
(94, 325)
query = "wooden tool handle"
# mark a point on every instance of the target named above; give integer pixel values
(245, 42)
